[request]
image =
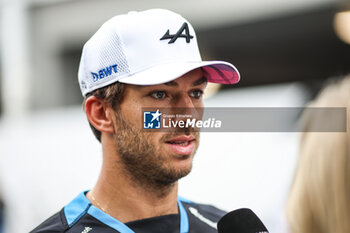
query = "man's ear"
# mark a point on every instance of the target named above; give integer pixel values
(99, 114)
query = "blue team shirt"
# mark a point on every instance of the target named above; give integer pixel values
(80, 216)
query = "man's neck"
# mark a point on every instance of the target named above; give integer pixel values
(122, 198)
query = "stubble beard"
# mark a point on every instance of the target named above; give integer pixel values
(143, 161)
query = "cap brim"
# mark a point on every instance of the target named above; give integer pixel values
(215, 71)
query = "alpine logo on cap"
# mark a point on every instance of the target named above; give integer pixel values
(178, 34)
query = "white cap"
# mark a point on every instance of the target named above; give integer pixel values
(146, 48)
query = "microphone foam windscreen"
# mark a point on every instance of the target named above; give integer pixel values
(241, 221)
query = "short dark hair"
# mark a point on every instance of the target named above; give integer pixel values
(111, 94)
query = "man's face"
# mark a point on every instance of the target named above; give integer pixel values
(158, 158)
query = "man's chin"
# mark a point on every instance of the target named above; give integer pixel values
(170, 177)
(183, 168)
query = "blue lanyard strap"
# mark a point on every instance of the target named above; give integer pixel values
(184, 224)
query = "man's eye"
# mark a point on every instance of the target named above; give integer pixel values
(196, 94)
(158, 94)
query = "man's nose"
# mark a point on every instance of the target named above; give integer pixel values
(184, 101)
(186, 106)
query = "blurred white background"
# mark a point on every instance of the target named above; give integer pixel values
(283, 49)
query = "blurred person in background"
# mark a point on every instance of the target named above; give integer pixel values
(137, 60)
(319, 200)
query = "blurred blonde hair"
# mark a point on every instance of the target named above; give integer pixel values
(319, 200)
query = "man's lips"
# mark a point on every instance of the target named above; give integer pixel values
(182, 145)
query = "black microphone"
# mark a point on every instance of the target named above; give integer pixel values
(241, 221)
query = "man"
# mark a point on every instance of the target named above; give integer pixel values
(138, 60)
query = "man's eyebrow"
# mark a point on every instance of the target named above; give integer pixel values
(200, 81)
(171, 83)
(195, 83)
